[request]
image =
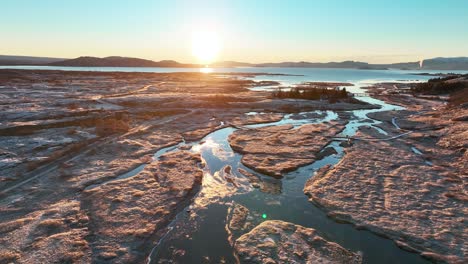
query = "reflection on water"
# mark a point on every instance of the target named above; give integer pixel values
(200, 234)
(215, 148)
(220, 179)
(206, 70)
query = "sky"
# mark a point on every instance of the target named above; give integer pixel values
(382, 31)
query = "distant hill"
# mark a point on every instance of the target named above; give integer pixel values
(301, 64)
(455, 63)
(402, 65)
(116, 61)
(26, 60)
(304, 64)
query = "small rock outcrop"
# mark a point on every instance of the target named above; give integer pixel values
(282, 242)
(279, 149)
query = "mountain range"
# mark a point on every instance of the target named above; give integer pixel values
(440, 63)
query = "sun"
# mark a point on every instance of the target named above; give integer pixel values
(205, 46)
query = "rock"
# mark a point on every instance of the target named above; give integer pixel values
(282, 242)
(237, 221)
(308, 115)
(257, 119)
(345, 144)
(237, 216)
(328, 151)
(252, 178)
(279, 149)
(269, 185)
(57, 234)
(126, 213)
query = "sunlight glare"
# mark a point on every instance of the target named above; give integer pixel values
(205, 46)
(206, 70)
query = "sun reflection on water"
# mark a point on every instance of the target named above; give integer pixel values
(206, 70)
(215, 148)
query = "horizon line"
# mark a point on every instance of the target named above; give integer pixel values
(233, 61)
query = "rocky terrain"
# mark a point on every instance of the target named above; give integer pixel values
(84, 175)
(410, 185)
(282, 242)
(275, 150)
(97, 167)
(126, 215)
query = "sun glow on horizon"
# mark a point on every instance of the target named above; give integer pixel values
(206, 70)
(205, 46)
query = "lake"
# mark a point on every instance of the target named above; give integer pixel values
(307, 74)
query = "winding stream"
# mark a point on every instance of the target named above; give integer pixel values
(199, 234)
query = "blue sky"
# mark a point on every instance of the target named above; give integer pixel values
(254, 31)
